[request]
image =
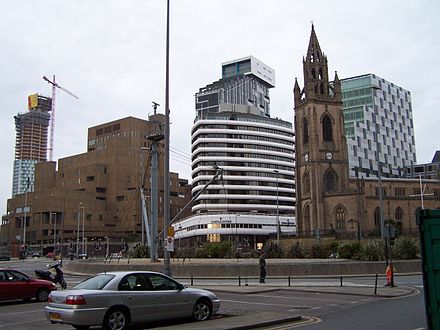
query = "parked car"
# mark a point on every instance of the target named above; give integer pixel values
(36, 255)
(16, 285)
(116, 299)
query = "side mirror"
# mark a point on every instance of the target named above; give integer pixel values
(180, 287)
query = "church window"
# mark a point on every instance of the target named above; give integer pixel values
(327, 129)
(399, 214)
(305, 131)
(320, 74)
(313, 74)
(306, 183)
(321, 89)
(377, 216)
(330, 180)
(340, 217)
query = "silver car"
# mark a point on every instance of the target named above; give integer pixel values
(116, 299)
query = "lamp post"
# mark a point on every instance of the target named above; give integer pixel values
(77, 231)
(166, 167)
(278, 213)
(54, 219)
(83, 237)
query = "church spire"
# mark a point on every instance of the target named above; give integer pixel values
(314, 52)
(316, 83)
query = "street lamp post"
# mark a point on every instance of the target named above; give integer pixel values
(77, 231)
(278, 213)
(83, 237)
(54, 232)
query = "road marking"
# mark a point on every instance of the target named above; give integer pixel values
(302, 298)
(26, 312)
(305, 320)
(17, 323)
(265, 304)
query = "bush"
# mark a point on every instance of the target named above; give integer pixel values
(405, 248)
(273, 250)
(140, 251)
(215, 250)
(295, 251)
(372, 250)
(349, 250)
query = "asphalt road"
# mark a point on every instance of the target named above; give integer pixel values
(319, 310)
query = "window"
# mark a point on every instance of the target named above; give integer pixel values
(400, 191)
(340, 217)
(305, 131)
(306, 183)
(327, 129)
(399, 214)
(135, 282)
(330, 180)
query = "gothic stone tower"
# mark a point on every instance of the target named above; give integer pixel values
(321, 149)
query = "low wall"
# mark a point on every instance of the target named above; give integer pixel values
(248, 267)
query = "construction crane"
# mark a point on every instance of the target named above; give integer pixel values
(52, 116)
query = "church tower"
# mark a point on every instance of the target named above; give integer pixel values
(321, 149)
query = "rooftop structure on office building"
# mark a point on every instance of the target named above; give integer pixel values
(254, 199)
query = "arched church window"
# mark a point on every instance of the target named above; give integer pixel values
(306, 182)
(305, 131)
(340, 217)
(399, 214)
(320, 74)
(327, 129)
(330, 179)
(313, 73)
(321, 89)
(377, 216)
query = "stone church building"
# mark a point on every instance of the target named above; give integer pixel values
(328, 200)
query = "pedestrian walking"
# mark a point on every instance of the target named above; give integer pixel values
(262, 264)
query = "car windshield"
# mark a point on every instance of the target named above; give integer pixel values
(97, 282)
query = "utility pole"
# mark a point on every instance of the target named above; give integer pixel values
(155, 138)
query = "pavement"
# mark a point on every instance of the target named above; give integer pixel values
(253, 320)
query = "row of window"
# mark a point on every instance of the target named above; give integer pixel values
(236, 127)
(234, 225)
(243, 146)
(241, 137)
(239, 163)
(240, 155)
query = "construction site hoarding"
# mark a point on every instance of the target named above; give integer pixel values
(429, 227)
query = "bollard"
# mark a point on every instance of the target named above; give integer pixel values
(192, 280)
(341, 281)
(288, 280)
(239, 281)
(375, 285)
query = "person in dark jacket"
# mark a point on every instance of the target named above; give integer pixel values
(262, 264)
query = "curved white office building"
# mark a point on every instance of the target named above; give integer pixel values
(254, 198)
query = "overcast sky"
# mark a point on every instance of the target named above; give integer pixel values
(112, 55)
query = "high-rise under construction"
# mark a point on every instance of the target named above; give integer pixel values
(30, 142)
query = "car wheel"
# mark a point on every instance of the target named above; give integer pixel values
(42, 294)
(115, 319)
(202, 310)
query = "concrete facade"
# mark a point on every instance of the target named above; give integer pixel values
(97, 190)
